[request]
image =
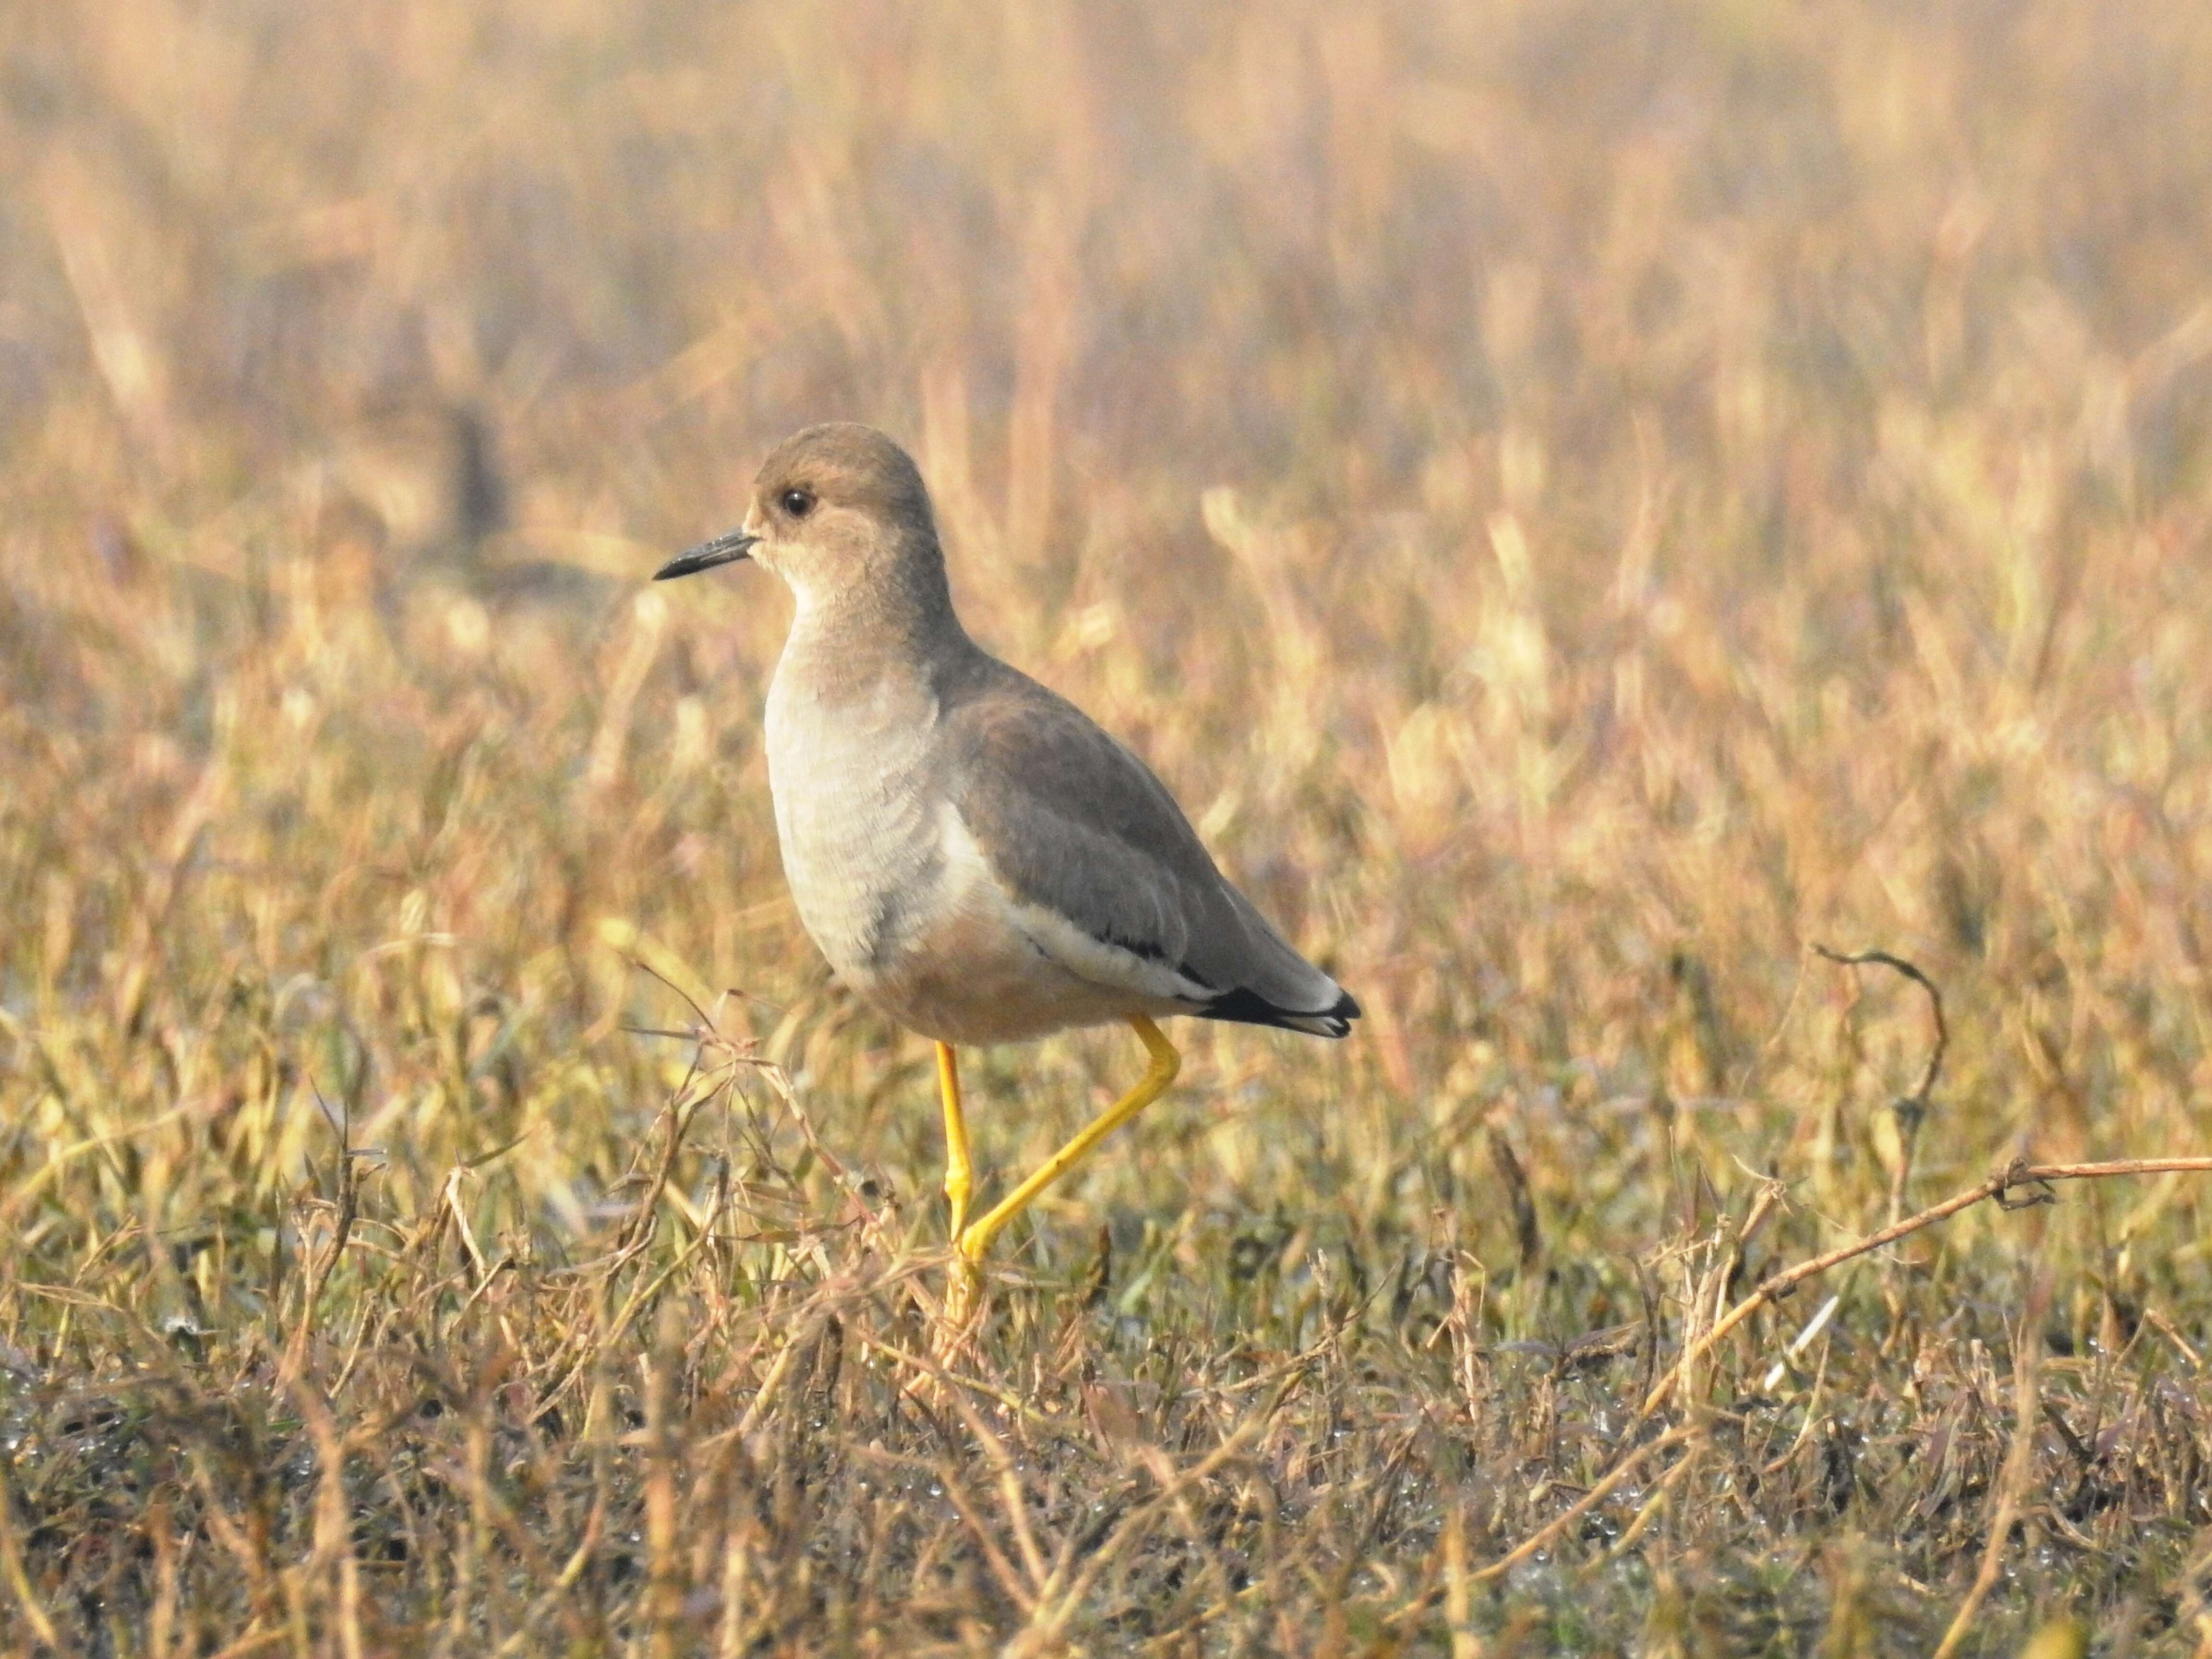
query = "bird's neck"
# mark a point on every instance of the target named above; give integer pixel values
(849, 638)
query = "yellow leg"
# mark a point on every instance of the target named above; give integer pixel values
(959, 1168)
(1166, 1062)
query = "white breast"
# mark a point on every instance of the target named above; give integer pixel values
(855, 818)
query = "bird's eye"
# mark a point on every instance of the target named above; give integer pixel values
(796, 502)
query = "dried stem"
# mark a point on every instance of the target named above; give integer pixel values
(2017, 1174)
(2020, 1464)
(1551, 1529)
(1863, 959)
(1912, 1109)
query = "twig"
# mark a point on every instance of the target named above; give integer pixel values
(1909, 1110)
(2019, 1173)
(941, 1471)
(1054, 1612)
(348, 1208)
(771, 1385)
(2019, 1464)
(1582, 1505)
(18, 1578)
(1862, 958)
(1009, 1485)
(664, 1586)
(1645, 1516)
(1526, 1233)
(1552, 1528)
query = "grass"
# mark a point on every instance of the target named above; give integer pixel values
(1583, 501)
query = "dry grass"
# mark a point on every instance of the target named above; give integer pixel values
(1581, 501)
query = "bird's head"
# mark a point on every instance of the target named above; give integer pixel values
(838, 509)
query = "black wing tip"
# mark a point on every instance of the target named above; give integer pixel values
(1243, 1006)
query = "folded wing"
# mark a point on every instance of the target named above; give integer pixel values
(1108, 877)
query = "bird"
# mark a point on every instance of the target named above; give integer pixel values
(974, 856)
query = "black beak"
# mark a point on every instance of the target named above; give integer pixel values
(723, 549)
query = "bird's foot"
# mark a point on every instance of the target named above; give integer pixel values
(962, 1313)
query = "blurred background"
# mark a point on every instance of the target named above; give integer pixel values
(1579, 499)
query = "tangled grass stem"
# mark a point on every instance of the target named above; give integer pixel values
(2020, 1173)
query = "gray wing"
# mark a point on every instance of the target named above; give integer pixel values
(1075, 825)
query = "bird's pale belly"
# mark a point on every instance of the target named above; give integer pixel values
(931, 944)
(971, 977)
(923, 935)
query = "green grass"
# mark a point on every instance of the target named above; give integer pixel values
(1581, 502)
